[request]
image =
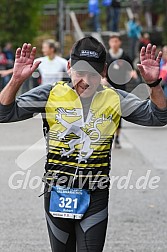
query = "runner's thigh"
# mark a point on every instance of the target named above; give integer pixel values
(91, 230)
(61, 231)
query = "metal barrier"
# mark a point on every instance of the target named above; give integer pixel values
(129, 12)
(77, 29)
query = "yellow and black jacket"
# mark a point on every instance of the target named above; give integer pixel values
(77, 147)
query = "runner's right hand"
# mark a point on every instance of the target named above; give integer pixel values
(24, 64)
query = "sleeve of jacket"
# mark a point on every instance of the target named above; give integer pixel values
(140, 112)
(26, 105)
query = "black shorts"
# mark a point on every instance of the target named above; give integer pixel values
(87, 234)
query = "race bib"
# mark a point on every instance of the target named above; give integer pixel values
(69, 202)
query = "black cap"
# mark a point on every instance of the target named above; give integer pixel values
(88, 50)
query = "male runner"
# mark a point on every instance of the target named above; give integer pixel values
(80, 119)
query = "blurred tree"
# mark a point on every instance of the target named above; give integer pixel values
(19, 20)
(160, 8)
(164, 23)
(67, 1)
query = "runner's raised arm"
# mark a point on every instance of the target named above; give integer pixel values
(149, 69)
(24, 66)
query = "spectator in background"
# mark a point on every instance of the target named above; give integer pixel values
(152, 10)
(94, 11)
(163, 69)
(155, 11)
(8, 51)
(144, 40)
(136, 6)
(116, 68)
(3, 60)
(112, 14)
(107, 4)
(3, 63)
(147, 9)
(134, 34)
(115, 14)
(52, 66)
(4, 73)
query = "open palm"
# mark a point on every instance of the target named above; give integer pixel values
(24, 64)
(149, 66)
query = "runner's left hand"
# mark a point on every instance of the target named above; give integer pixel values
(149, 66)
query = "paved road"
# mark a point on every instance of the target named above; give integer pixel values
(137, 219)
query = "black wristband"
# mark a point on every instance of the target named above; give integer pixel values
(154, 84)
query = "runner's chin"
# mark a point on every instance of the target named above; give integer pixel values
(88, 92)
